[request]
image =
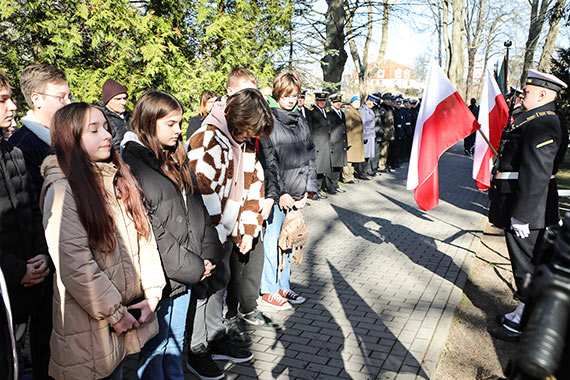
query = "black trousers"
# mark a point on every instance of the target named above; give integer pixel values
(524, 255)
(243, 289)
(363, 168)
(333, 178)
(325, 182)
(392, 154)
(374, 161)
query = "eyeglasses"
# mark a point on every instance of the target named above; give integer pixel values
(292, 96)
(60, 98)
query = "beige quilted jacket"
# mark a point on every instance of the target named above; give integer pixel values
(91, 288)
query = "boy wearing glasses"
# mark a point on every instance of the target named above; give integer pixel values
(45, 89)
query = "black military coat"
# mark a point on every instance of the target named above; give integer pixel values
(534, 149)
(388, 122)
(338, 140)
(399, 123)
(321, 132)
(379, 124)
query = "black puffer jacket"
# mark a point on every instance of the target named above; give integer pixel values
(119, 126)
(21, 231)
(182, 232)
(193, 125)
(266, 156)
(294, 153)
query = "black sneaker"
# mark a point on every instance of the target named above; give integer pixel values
(201, 364)
(236, 333)
(225, 349)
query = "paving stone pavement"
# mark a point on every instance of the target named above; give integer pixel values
(382, 279)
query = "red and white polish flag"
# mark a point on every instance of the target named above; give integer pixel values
(493, 116)
(443, 120)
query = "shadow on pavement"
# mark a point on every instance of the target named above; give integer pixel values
(389, 354)
(424, 253)
(311, 341)
(412, 210)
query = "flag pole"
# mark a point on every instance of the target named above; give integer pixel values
(488, 142)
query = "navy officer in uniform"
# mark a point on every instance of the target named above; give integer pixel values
(338, 142)
(320, 130)
(523, 193)
(301, 104)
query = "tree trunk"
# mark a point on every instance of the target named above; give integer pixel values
(536, 21)
(490, 39)
(383, 41)
(456, 64)
(473, 41)
(335, 57)
(446, 41)
(363, 77)
(548, 48)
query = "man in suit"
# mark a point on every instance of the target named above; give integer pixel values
(320, 130)
(338, 143)
(523, 193)
(301, 104)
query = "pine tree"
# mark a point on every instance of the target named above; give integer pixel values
(182, 47)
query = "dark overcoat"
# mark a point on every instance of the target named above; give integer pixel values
(321, 132)
(388, 122)
(338, 140)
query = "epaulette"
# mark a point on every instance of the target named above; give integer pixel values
(311, 108)
(328, 110)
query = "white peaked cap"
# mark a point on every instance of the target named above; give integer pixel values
(549, 81)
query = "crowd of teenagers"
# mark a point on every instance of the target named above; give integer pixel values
(118, 237)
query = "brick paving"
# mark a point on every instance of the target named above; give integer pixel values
(382, 280)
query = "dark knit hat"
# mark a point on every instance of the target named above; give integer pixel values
(111, 89)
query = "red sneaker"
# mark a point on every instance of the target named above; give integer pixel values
(275, 301)
(292, 297)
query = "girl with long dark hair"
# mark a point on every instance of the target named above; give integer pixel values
(187, 244)
(108, 276)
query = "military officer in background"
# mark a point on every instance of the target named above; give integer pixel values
(378, 132)
(523, 193)
(301, 104)
(338, 143)
(320, 130)
(355, 140)
(388, 159)
(368, 120)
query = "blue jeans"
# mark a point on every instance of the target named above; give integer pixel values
(117, 373)
(270, 283)
(161, 357)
